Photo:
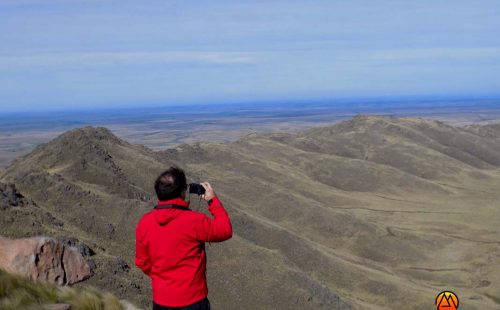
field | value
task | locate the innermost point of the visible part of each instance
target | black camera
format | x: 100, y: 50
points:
x: 195, y: 188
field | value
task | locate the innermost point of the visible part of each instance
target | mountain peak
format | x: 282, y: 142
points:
x: 81, y: 142
x: 369, y: 117
x: 89, y: 133
x: 372, y: 119
x: 75, y: 147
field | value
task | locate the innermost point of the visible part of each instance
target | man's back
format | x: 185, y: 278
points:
x: 170, y: 249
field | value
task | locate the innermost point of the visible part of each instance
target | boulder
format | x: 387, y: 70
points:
x: 43, y: 258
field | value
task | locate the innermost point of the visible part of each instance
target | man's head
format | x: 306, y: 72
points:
x: 171, y: 184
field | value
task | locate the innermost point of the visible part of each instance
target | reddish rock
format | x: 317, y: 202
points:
x: 43, y: 258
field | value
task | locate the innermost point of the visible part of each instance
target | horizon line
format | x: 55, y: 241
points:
x: 311, y: 100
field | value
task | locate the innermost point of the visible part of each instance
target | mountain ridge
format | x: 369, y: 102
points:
x: 323, y: 212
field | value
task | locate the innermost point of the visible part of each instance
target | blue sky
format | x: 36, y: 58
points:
x: 96, y: 53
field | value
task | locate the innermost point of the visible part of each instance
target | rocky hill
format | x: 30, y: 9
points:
x: 354, y: 215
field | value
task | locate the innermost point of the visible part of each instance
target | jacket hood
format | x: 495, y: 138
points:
x: 165, y: 216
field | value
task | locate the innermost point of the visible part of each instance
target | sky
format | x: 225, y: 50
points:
x: 67, y: 54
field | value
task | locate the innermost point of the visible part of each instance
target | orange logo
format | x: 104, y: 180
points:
x: 447, y: 300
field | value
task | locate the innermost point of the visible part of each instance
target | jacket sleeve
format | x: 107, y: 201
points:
x: 217, y: 229
x: 141, y: 251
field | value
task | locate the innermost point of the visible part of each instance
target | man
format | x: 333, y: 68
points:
x: 170, y: 243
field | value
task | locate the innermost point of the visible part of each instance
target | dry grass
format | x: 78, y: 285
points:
x: 17, y: 293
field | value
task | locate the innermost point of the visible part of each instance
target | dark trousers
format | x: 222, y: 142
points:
x: 203, y: 304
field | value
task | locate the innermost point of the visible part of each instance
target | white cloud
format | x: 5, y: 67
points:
x: 125, y: 58
x: 449, y: 53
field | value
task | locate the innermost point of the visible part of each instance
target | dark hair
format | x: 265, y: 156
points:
x: 171, y: 183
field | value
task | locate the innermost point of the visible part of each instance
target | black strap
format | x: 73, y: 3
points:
x: 172, y: 207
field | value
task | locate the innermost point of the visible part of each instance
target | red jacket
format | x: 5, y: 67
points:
x: 170, y: 250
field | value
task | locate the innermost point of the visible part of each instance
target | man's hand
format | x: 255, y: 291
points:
x: 209, y: 191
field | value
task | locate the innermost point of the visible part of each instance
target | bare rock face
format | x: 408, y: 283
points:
x: 43, y: 258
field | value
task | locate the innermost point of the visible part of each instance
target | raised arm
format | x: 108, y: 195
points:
x: 218, y: 228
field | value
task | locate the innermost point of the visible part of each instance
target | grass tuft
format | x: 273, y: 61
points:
x: 17, y: 292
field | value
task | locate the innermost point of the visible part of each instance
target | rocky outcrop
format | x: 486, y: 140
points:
x: 43, y: 258
x: 10, y: 197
